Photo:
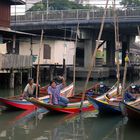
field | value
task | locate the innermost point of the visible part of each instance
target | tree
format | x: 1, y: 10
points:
x: 57, y: 5
x: 130, y: 3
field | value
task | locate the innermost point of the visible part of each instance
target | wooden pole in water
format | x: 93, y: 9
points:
x: 125, y: 73
x: 31, y: 49
x: 93, y: 60
x: 116, y: 28
x: 64, y: 56
x: 138, y: 30
x: 74, y: 58
x: 39, y: 52
x: 64, y: 69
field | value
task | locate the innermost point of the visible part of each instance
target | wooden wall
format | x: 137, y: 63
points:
x: 4, y: 14
x: 13, y: 61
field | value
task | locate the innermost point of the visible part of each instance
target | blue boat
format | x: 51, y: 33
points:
x: 105, y: 107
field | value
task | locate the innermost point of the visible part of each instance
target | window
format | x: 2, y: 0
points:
x: 47, y: 51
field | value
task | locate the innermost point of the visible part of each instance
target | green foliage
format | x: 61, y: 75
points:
x: 57, y: 5
x: 132, y: 3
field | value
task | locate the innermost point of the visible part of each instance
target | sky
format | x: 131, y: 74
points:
x: 21, y: 9
x: 101, y: 2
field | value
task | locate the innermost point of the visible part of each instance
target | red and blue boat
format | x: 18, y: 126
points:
x: 16, y: 103
x: 72, y: 107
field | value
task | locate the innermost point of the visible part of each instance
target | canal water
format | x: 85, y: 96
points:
x: 40, y: 125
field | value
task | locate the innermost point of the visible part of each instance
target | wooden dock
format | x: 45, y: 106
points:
x: 99, y: 72
x: 12, y: 67
x: 103, y: 72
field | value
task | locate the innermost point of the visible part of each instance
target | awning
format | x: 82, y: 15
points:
x: 9, y: 31
x: 16, y: 2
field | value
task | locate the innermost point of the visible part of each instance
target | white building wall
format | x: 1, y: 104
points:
x: 58, y: 51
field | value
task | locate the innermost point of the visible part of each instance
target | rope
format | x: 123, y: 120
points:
x: 93, y: 62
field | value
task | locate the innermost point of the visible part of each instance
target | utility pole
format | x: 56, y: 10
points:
x: 47, y: 7
x: 46, y: 3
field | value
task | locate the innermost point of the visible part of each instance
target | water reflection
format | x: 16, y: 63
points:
x: 129, y: 130
x: 40, y: 125
x: 28, y: 125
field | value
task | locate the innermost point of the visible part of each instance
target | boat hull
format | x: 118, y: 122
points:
x: 71, y: 107
x: 25, y: 105
x: 18, y: 104
x: 130, y: 111
x: 105, y: 107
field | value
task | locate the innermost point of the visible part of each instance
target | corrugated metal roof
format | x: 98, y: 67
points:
x: 8, y: 30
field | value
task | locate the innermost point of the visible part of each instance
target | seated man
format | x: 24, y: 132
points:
x: 30, y: 89
x: 129, y: 97
x: 103, y: 88
x: 99, y: 88
x: 54, y: 92
x: 134, y: 89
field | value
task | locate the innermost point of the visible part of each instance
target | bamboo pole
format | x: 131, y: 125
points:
x: 39, y: 52
x: 74, y: 58
x: 125, y: 73
x: 64, y: 56
x: 138, y: 30
x: 116, y: 28
x: 93, y: 60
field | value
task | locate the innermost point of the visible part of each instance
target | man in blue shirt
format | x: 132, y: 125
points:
x: 54, y: 92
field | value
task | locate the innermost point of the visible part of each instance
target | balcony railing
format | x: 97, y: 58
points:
x: 61, y: 15
x: 12, y: 61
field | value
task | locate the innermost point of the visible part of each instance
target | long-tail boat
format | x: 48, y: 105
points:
x: 106, y: 105
x: 72, y: 107
x: 17, y: 103
x: 110, y: 105
x: 131, y: 109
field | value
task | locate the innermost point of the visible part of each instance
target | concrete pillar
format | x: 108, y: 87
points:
x: 51, y: 73
x: 87, y: 52
x: 14, y: 43
x: 29, y: 73
x: 125, y: 47
x: 89, y: 46
x: 80, y: 54
x: 20, y: 78
x: 110, y: 53
x: 12, y: 79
